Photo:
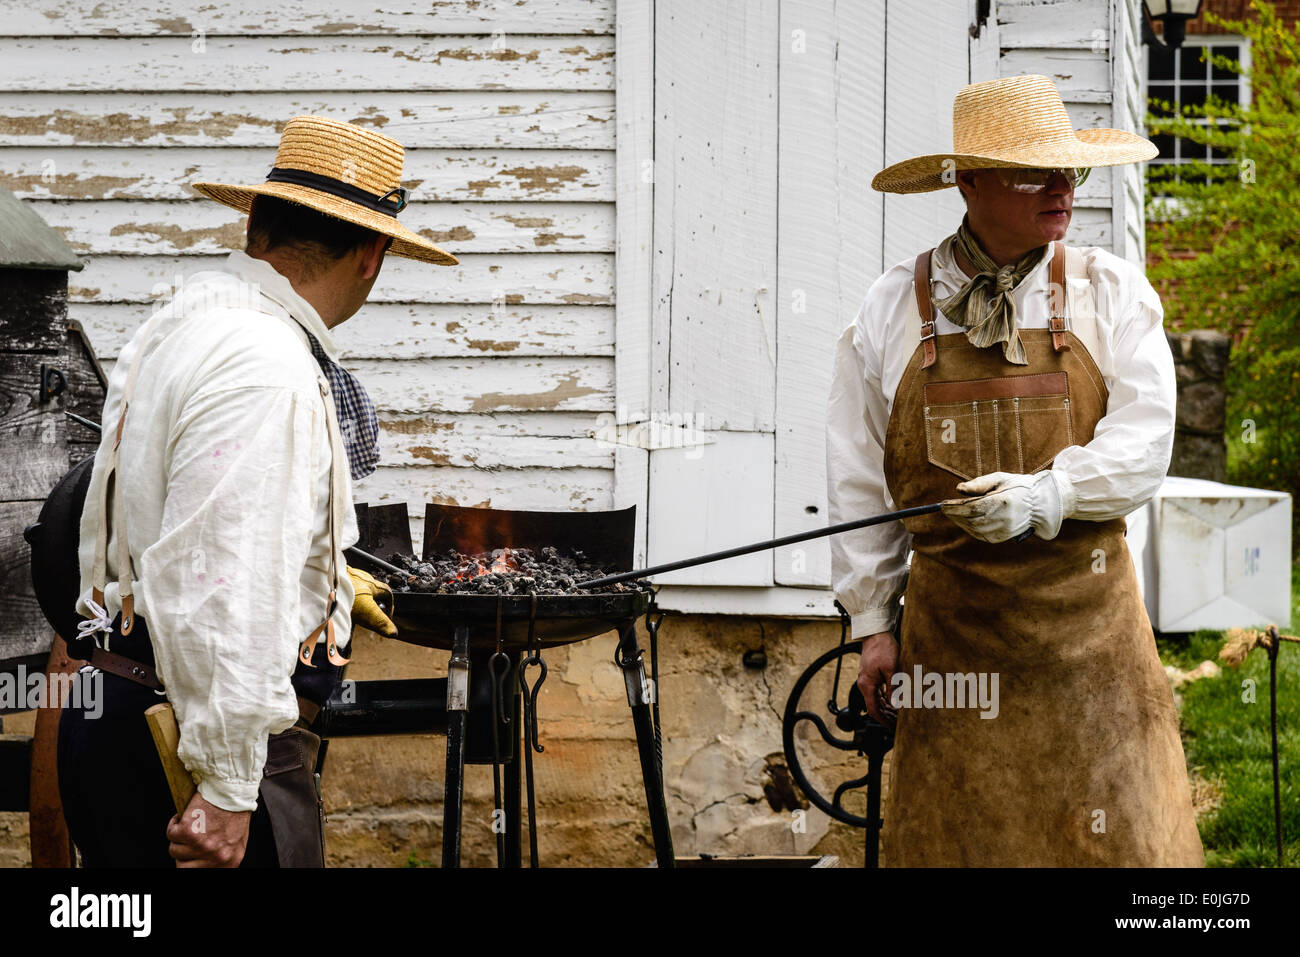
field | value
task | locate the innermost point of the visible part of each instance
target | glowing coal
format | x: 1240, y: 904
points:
x: 503, y: 571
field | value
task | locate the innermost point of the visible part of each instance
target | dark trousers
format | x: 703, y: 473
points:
x: 115, y: 796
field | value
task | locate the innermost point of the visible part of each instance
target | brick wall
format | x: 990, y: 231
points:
x: 1288, y: 10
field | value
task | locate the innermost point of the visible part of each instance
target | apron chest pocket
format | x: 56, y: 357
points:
x: 1007, y: 424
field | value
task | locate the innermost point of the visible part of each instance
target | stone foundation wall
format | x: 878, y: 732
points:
x: 1201, y: 364
x: 726, y: 783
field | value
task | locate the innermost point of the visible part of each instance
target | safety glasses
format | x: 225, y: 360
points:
x: 400, y: 195
x: 1035, y: 180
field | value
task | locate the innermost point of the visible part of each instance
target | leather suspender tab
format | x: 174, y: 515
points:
x: 921, y: 282
x: 1056, y: 297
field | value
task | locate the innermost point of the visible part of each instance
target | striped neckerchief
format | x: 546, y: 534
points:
x: 358, y: 423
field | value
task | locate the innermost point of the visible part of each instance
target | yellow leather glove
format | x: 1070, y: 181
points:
x: 365, y: 610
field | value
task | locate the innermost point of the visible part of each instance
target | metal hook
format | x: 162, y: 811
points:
x: 845, y: 623
x: 530, y: 698
x: 499, y: 665
x: 533, y: 659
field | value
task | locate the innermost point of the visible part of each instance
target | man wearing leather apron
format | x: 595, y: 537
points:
x: 211, y: 552
x: 1029, y: 386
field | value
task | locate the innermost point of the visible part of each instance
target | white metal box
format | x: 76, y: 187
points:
x: 1210, y: 555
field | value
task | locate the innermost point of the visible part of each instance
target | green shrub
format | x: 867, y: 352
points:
x: 1227, y: 256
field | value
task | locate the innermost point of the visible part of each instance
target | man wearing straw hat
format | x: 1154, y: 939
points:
x: 1029, y: 386
x: 232, y: 478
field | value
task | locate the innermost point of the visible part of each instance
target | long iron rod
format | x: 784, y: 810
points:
x: 366, y: 556
x: 761, y: 546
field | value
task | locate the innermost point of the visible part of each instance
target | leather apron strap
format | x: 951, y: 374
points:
x: 1060, y: 297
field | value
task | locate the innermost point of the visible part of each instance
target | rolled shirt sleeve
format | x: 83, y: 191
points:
x: 221, y: 585
x: 868, y: 565
x: 1123, y: 465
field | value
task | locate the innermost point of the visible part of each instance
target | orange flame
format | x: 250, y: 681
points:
x: 502, y: 563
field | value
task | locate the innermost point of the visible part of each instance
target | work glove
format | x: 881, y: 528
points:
x: 1006, y: 504
x: 365, y: 610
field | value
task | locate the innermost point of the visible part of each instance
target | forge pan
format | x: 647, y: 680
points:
x: 428, y: 619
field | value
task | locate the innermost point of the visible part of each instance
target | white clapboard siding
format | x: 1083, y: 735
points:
x: 635, y: 363
x: 832, y: 128
x: 1082, y: 76
x: 715, y: 177
x: 1128, y: 72
x: 124, y: 227
x: 533, y: 489
x: 709, y: 497
x: 492, y: 378
x: 465, y: 448
x: 714, y: 280
x: 486, y: 385
x: 509, y: 119
x: 926, y: 63
x: 1063, y: 25
x: 501, y: 383
x: 306, y: 63
x: 496, y: 440
x: 432, y: 175
x: 1091, y: 50
x: 289, y: 17
x: 554, y: 278
x: 411, y: 331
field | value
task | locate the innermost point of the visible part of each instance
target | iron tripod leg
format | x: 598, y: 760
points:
x: 457, y: 720
x: 639, y: 697
x: 872, y: 857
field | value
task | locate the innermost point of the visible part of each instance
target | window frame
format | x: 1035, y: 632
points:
x: 1167, y: 206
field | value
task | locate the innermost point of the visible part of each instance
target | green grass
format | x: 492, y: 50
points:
x: 1228, y: 744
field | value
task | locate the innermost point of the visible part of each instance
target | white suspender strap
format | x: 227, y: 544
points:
x: 308, y: 644
x: 99, y: 572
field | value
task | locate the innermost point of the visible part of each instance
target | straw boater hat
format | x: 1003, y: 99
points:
x: 341, y: 170
x: 1014, y: 121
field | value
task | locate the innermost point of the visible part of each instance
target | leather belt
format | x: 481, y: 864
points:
x: 127, y: 668
x: 143, y: 674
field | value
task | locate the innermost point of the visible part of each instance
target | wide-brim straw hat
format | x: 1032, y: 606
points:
x: 1015, y: 121
x: 345, y: 171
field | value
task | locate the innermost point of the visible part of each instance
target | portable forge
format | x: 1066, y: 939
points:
x: 486, y: 704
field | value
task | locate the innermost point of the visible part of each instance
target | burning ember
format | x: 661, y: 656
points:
x: 472, y: 566
x: 503, y: 571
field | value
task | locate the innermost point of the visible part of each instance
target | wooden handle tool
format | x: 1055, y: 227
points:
x: 166, y: 738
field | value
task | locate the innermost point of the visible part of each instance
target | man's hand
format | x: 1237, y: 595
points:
x: 208, y: 836
x: 365, y: 610
x: 1005, y: 504
x: 875, y: 669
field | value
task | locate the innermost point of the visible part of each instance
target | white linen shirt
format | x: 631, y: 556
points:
x: 1120, y: 469
x: 225, y: 464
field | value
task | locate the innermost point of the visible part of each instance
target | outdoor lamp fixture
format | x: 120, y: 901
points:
x: 1174, y: 14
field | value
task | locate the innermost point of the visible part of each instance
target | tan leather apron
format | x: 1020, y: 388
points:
x: 1083, y: 764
